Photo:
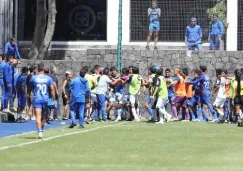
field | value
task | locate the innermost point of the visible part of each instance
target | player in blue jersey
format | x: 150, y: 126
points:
x: 2, y: 65
x: 79, y: 93
x: 8, y: 82
x: 21, y: 93
x: 42, y: 86
x: 154, y: 14
x: 205, y: 82
x: 169, y: 79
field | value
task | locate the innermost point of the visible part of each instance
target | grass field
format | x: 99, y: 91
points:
x: 127, y: 146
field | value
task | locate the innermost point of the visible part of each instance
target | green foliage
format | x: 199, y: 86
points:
x: 220, y: 10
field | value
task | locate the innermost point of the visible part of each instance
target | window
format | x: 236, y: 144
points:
x: 75, y: 20
x: 175, y: 16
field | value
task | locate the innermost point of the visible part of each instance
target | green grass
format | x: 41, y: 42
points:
x: 130, y: 146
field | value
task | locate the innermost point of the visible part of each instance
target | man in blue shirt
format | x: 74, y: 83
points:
x: 21, y: 93
x: 80, y: 91
x: 8, y: 82
x: 2, y: 65
x: 154, y: 14
x: 216, y: 31
x: 193, y: 35
x: 42, y: 86
x: 204, y: 81
x: 11, y: 48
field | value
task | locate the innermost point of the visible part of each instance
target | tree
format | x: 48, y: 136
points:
x: 44, y: 28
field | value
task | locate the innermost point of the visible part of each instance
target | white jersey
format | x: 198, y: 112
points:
x: 221, y: 92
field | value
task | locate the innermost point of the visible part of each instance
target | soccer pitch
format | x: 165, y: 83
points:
x: 127, y: 146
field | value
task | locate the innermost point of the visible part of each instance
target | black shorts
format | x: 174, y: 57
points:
x: 29, y: 101
x: 64, y: 100
x: 238, y: 101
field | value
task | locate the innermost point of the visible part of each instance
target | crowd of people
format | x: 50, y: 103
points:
x: 97, y: 93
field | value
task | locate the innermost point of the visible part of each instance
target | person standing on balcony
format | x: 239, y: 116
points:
x: 193, y: 35
x: 154, y: 14
x: 216, y: 31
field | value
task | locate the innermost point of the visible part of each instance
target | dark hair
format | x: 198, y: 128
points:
x: 159, y: 71
x: 46, y: 70
x: 198, y: 72
x: 125, y: 71
x: 41, y: 67
x: 203, y: 68
x: 113, y: 69
x: 135, y: 70
x: 86, y: 68
x: 12, y: 39
x: 167, y: 70
x: 215, y: 15
x: 8, y: 57
x: 96, y: 66
x: 185, y: 71
x: 92, y: 71
x: 106, y: 71
x: 24, y: 70
x: 32, y: 68
x: 225, y: 71
x: 218, y: 71
x: 82, y: 72
x: 238, y: 79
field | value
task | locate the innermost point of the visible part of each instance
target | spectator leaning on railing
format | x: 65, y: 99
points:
x: 11, y: 48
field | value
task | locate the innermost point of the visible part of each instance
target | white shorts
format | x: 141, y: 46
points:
x: 93, y: 98
x: 133, y: 99
x: 219, y: 102
x: 161, y: 103
x: 125, y: 98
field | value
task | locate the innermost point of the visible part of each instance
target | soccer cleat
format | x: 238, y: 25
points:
x: 40, y: 135
x: 160, y: 122
x: 169, y: 116
x: 87, y: 122
x: 72, y: 125
x: 81, y: 127
x: 175, y: 119
x: 118, y: 119
x: 185, y: 120
x: 214, y: 120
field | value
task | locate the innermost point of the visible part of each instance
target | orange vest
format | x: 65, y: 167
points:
x: 180, y: 88
x: 189, y: 93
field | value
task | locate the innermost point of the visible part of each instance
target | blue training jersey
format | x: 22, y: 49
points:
x: 2, y: 64
x: 79, y: 88
x: 204, y: 81
x: 21, y: 84
x: 8, y: 74
x: 41, y: 84
x: 154, y: 15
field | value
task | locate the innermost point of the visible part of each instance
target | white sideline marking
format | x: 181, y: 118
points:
x: 58, y: 136
x: 16, y: 135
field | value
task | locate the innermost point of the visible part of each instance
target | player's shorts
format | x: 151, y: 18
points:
x: 238, y: 101
x: 21, y: 101
x: 180, y: 100
x: 205, y: 98
x: 171, y: 98
x: 40, y: 105
x: 125, y: 98
x: 118, y: 98
x: 154, y: 26
x: 148, y: 100
x: 191, y: 101
x: 133, y: 99
x: 227, y: 102
x: 161, y: 102
x: 93, y: 98
x: 219, y: 102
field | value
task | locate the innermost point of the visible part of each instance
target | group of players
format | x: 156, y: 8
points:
x: 95, y: 94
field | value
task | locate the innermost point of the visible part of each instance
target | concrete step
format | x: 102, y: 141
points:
x: 3, y: 117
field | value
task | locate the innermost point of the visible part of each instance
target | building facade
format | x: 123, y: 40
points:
x: 95, y: 22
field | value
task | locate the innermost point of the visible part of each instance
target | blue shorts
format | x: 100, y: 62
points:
x: 171, y: 98
x: 154, y: 26
x: 21, y: 101
x: 40, y: 105
x: 206, y: 98
x: 148, y: 100
x: 227, y: 102
x: 191, y: 101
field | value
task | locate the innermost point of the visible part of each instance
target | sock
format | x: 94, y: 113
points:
x: 119, y: 112
x: 155, y: 114
x: 134, y: 113
x: 122, y: 111
x: 212, y: 111
x: 39, y: 130
x: 161, y: 115
x: 199, y: 113
x: 226, y: 112
x: 72, y: 116
x: 220, y: 112
x: 137, y: 110
x: 150, y: 111
x: 19, y: 114
x: 204, y: 116
x: 174, y: 110
x: 187, y: 116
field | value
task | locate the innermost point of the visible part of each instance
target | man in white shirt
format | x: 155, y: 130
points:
x: 101, y: 92
x: 221, y: 96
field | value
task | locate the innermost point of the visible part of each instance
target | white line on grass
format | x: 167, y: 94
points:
x: 16, y: 135
x: 58, y: 136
